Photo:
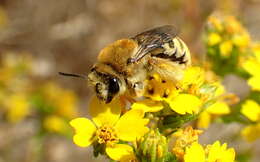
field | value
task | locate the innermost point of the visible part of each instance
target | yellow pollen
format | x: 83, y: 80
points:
x: 106, y: 135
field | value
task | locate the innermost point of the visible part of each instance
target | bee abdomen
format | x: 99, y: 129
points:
x: 176, y: 51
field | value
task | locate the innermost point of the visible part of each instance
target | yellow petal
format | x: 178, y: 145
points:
x: 185, y: 103
x: 119, y: 152
x: 55, y: 123
x: 220, y: 89
x: 193, y: 76
x: 131, y: 125
x: 18, y: 107
x: 218, y: 108
x: 214, y: 152
x: 148, y: 105
x: 256, y: 50
x: 254, y: 82
x: 251, y: 110
x: 214, y: 39
x: 104, y: 113
x: 85, y: 131
x: 220, y: 153
x: 241, y: 40
x: 251, y: 132
x: 252, y: 66
x: 204, y: 120
x: 226, y: 48
x: 194, y: 153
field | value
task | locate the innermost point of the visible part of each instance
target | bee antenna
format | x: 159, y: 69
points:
x: 73, y: 75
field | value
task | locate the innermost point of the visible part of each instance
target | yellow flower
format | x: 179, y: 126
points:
x: 251, y: 110
x: 66, y: 104
x: 17, y: 106
x: 122, y: 153
x: 256, y: 50
x: 220, y: 107
x: 251, y: 132
x: 216, y: 23
x: 226, y: 48
x: 184, y: 138
x: 194, y: 153
x: 213, y: 39
x: 216, y: 109
x: 109, y: 127
x: 193, y: 76
x: 55, y: 124
x: 167, y: 91
x: 252, y: 66
x: 158, y: 89
x: 232, y: 25
x: 64, y: 101
x: 185, y: 103
x: 148, y: 105
x: 218, y: 152
x: 241, y: 40
x: 212, y: 153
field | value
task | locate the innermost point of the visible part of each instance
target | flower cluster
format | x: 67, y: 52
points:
x: 187, y: 148
x: 142, y: 131
x: 55, y: 106
x: 227, y: 41
x: 14, y: 86
x: 252, y: 66
x: 52, y: 105
x: 250, y: 108
x: 109, y: 129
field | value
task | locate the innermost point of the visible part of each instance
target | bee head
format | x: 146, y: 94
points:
x: 106, y: 86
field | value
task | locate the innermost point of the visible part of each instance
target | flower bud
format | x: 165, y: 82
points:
x: 153, y: 147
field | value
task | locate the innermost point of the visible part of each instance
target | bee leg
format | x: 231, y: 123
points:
x: 125, y: 100
x: 166, y: 69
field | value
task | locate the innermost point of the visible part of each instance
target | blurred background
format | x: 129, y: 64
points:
x: 40, y: 38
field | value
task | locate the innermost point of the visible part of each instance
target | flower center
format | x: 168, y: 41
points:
x: 106, y: 135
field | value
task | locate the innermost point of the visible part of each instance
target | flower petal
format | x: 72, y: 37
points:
x: 185, y: 103
x: 252, y: 67
x: 204, y: 120
x: 251, y: 110
x: 254, y: 82
x: 220, y: 153
x: 131, y: 125
x: 85, y: 130
x: 148, y: 105
x: 104, y: 113
x: 193, y: 76
x: 119, y: 152
x: 194, y: 153
x: 218, y: 108
x: 251, y: 132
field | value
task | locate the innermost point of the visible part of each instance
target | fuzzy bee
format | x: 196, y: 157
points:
x: 124, y: 65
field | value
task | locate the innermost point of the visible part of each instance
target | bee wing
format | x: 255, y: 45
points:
x: 153, y: 39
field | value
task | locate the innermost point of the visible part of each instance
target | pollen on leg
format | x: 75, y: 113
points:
x: 107, y: 135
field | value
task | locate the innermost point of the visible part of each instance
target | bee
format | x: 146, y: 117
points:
x: 123, y: 66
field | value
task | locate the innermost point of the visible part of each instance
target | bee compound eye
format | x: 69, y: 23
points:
x: 113, y: 86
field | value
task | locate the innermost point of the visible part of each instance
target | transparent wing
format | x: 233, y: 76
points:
x: 153, y: 39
